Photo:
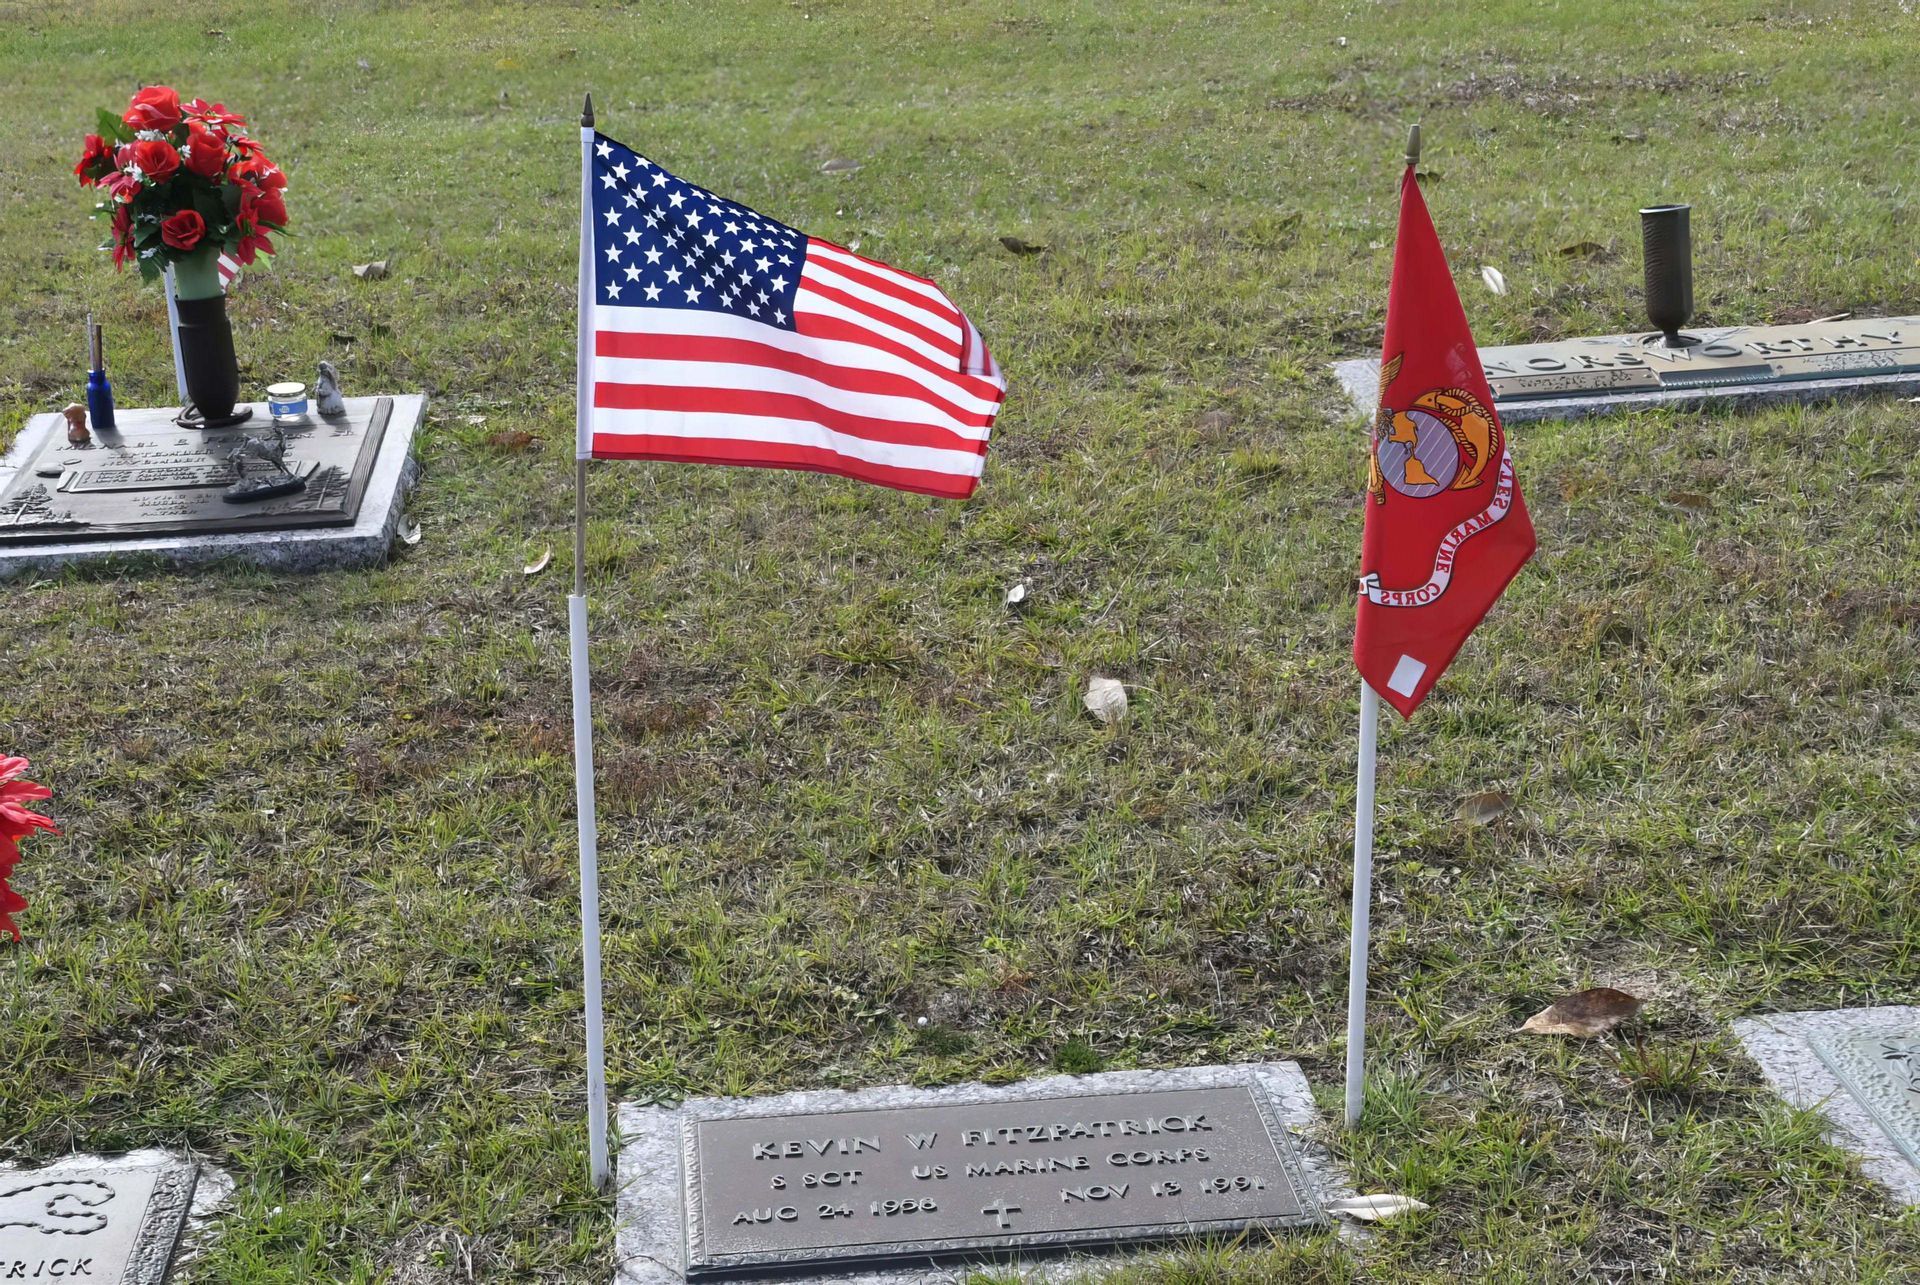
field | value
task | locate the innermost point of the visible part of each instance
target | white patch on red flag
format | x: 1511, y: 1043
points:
x: 1406, y: 676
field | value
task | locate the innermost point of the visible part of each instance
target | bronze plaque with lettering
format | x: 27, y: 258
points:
x: 152, y: 477
x: 911, y: 1184
x: 1744, y: 355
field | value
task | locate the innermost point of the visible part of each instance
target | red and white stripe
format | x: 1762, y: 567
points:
x: 882, y: 379
x: 228, y: 268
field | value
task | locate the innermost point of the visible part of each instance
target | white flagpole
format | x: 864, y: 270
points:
x: 1362, y: 905
x: 597, y: 1167
x: 173, y: 333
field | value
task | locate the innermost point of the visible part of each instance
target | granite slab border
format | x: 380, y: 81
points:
x: 650, y: 1240
x: 1360, y: 377
x: 1784, y: 1046
x: 367, y: 542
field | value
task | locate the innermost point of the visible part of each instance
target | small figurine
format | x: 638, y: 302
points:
x: 76, y: 424
x: 326, y: 392
x: 283, y: 482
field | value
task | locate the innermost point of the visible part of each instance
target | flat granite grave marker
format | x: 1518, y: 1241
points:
x: 1859, y: 1067
x: 115, y: 1224
x: 1606, y: 374
x: 151, y: 486
x: 1881, y: 1069
x: 885, y: 1184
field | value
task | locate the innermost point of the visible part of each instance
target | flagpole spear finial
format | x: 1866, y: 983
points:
x: 586, y: 114
x: 1413, y: 145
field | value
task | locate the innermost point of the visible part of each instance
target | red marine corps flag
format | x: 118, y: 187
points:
x: 1446, y: 530
x: 1446, y: 527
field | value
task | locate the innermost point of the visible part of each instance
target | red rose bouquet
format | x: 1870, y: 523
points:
x: 183, y: 183
x: 16, y: 823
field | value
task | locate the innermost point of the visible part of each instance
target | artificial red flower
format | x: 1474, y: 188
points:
x: 16, y: 823
x: 216, y: 115
x: 267, y: 207
x: 14, y: 792
x: 95, y: 160
x: 257, y: 173
x: 121, y: 186
x: 11, y: 902
x: 156, y: 107
x: 205, y: 153
x: 156, y: 158
x: 246, y: 148
x: 249, y: 244
x: 122, y: 235
x: 183, y: 231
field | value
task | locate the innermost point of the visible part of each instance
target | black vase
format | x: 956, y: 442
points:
x: 206, y: 354
x: 1666, y: 240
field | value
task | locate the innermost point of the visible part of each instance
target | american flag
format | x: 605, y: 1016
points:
x: 228, y: 268
x: 716, y: 335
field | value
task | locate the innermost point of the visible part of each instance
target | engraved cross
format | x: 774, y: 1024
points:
x: 1000, y: 1209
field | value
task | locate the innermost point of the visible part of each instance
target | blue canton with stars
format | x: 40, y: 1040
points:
x: 662, y: 242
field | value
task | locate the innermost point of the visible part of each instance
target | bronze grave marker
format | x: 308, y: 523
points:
x: 92, y: 1220
x: 154, y: 478
x: 1738, y: 365
x: 864, y: 1188
x: 1725, y: 355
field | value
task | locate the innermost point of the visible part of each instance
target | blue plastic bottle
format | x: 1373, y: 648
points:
x: 99, y: 391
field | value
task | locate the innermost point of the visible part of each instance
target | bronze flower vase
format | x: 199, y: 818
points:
x: 206, y: 345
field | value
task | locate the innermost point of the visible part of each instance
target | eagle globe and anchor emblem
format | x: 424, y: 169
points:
x: 1443, y: 441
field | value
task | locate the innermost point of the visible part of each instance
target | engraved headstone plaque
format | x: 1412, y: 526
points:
x: 116, y: 1225
x: 154, y: 478
x: 1819, y: 360
x: 1882, y: 1072
x: 889, y: 1185
x: 1857, y: 1067
x: 1724, y: 356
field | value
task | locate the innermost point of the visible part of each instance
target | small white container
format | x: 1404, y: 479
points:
x: 287, y: 402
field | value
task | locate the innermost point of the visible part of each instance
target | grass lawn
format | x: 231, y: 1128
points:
x: 313, y: 915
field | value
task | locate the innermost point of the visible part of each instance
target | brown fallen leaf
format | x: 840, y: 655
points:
x: 1017, y: 246
x: 1689, y: 500
x: 1584, y: 1014
x: 512, y: 443
x: 1485, y: 807
x: 374, y: 271
x: 1582, y: 249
